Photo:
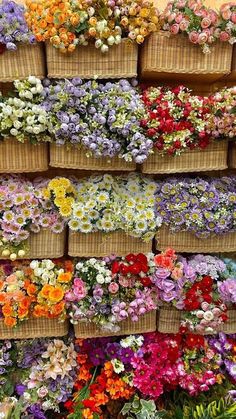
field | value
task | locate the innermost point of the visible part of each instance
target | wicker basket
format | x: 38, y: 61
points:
x: 76, y: 159
x: 145, y: 324
x: 169, y: 320
x: 232, y: 155
x: 45, y: 244
x: 34, y: 328
x: 230, y: 325
x: 185, y: 241
x: 22, y: 157
x: 213, y: 157
x: 174, y: 57
x: 86, y: 62
x: 101, y: 244
x: 232, y: 76
x: 27, y: 60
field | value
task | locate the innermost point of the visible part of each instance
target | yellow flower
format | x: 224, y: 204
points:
x: 60, y: 192
x: 63, y: 182
x: 56, y: 294
x: 144, y: 12
x: 65, y: 210
x: 46, y: 194
x: 59, y: 201
x: 54, y: 183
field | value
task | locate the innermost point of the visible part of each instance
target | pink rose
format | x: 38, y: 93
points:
x: 226, y: 14
x: 224, y: 36
x: 213, y: 16
x: 79, y: 289
x: 205, y: 305
x: 174, y: 29
x: 205, y: 23
x: 184, y: 25
x: 178, y: 18
x: 171, y: 17
x: 113, y: 287
x: 233, y: 17
x: 193, y: 37
x: 202, y: 38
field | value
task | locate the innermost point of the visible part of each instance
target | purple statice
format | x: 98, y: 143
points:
x: 207, y: 265
x: 227, y: 290
x: 202, y: 206
x: 103, y: 118
x: 13, y: 26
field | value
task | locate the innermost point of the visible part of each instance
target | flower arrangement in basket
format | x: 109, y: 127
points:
x: 36, y: 289
x: 46, y: 371
x: 201, y: 24
x: 14, y: 28
x: 221, y: 120
x: 107, y: 292
x: 106, y: 204
x: 202, y: 206
x: 191, y: 285
x: 68, y: 24
x: 176, y: 120
x: 23, y: 210
x: 22, y: 116
x: 103, y: 119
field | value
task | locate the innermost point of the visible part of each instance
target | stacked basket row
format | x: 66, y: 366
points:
x: 158, y: 59
x: 22, y: 158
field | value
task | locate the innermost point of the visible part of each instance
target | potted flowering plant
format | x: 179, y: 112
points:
x: 113, y: 210
x: 20, y: 55
x: 104, y: 27
x: 200, y: 217
x: 177, y: 125
x: 23, y: 124
x: 34, y: 291
x: 200, y: 24
x: 24, y: 212
x: 113, y: 296
x: 98, y: 124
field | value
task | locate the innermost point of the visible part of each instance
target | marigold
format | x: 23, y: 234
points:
x: 10, y: 321
x: 56, y: 294
x: 64, y: 277
x: 7, y: 310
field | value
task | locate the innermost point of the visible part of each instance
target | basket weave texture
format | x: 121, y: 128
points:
x: 99, y: 244
x: 27, y: 60
x: 185, y: 241
x: 146, y: 323
x: 213, y: 157
x: 34, y: 328
x: 163, y: 56
x: 169, y: 320
x: 22, y: 157
x: 232, y: 156
x: 86, y: 62
x: 230, y: 325
x: 76, y: 159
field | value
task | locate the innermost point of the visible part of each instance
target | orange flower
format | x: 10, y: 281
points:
x: 101, y: 399
x: 25, y: 303
x: 1, y: 284
x: 10, y: 321
x: 57, y: 309
x: 87, y: 414
x: 31, y: 289
x: 108, y: 369
x: 3, y: 297
x: 40, y: 311
x: 84, y: 373
x: 82, y: 358
x: 7, y: 310
x: 22, y: 312
x: 45, y: 291
x: 69, y: 266
x: 64, y: 277
x: 56, y: 294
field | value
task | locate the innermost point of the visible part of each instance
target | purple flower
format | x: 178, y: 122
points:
x: 227, y: 290
x: 20, y: 389
x: 97, y: 357
x: 126, y: 355
x: 112, y: 350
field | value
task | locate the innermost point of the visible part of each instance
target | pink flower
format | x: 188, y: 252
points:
x: 224, y: 36
x: 174, y: 29
x: 205, y: 23
x: 193, y: 37
x: 202, y: 38
x: 79, y: 289
x: 184, y: 25
x: 226, y: 14
x: 233, y: 17
x: 178, y: 18
x: 113, y: 287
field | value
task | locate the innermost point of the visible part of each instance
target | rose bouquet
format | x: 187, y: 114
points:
x: 109, y: 291
x: 22, y: 116
x: 176, y: 119
x: 192, y: 18
x: 14, y: 28
x: 47, y: 371
x: 226, y: 27
x: 221, y: 119
x: 202, y: 206
x: 69, y: 24
x: 104, y: 119
x: 23, y: 209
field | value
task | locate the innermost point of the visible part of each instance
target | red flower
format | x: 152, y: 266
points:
x: 130, y: 258
x: 194, y: 341
x: 207, y: 282
x: 115, y: 267
x: 146, y: 281
x: 90, y: 404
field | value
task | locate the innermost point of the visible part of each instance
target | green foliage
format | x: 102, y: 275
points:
x: 222, y: 409
x: 142, y: 409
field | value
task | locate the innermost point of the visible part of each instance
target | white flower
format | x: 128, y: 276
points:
x: 34, y: 264
x: 117, y: 365
x: 208, y: 315
x: 100, y: 279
